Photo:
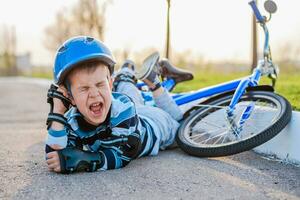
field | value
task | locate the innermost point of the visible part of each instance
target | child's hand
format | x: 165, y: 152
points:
x: 58, y: 104
x: 53, y: 159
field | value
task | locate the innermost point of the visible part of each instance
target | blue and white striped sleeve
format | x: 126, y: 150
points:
x: 55, y: 137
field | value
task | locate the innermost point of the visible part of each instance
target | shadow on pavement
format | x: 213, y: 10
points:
x: 170, y: 175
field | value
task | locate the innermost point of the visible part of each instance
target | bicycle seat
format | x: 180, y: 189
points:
x: 170, y: 71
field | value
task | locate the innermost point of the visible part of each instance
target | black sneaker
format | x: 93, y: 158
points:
x: 129, y: 64
x: 150, y: 71
x: 170, y: 71
x: 126, y: 73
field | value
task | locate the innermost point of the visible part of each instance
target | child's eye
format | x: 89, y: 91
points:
x: 99, y: 85
x: 84, y: 89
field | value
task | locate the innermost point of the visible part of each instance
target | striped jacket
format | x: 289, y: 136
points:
x: 122, y: 137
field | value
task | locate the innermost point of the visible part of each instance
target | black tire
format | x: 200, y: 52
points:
x: 267, y: 102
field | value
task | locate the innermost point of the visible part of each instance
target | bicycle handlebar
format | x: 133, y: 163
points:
x: 257, y: 14
x: 262, y: 21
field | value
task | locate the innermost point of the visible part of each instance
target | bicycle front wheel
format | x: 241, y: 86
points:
x: 207, y: 132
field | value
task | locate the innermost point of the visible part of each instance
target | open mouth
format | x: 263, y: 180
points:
x: 96, y: 108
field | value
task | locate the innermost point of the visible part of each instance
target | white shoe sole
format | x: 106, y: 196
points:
x: 147, y: 66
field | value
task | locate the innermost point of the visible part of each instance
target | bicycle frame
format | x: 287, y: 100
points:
x: 265, y: 67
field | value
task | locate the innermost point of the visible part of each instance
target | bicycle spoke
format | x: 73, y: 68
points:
x: 259, y: 123
x: 198, y: 135
x: 204, y: 133
x: 224, y: 139
x: 216, y: 142
x: 211, y: 123
x: 223, y: 133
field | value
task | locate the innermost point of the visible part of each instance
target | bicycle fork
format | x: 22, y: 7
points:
x: 237, y: 127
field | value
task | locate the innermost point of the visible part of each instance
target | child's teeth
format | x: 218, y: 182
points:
x: 95, y: 104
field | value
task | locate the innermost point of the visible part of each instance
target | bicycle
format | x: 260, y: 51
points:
x: 238, y: 115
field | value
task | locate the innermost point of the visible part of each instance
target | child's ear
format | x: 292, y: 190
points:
x: 70, y: 97
x: 67, y: 94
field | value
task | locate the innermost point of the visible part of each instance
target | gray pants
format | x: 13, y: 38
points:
x: 163, y: 118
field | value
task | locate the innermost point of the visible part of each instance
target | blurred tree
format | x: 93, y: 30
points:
x: 287, y: 56
x: 58, y: 32
x: 8, y: 50
x: 87, y: 17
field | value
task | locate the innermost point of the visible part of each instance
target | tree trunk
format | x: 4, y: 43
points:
x: 254, y: 43
x: 168, y: 31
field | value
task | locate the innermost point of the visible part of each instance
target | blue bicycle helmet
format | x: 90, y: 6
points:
x: 79, y: 49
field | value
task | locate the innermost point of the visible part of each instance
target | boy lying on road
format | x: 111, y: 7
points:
x: 104, y: 129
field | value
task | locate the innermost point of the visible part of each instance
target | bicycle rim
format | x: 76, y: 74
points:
x: 207, y: 132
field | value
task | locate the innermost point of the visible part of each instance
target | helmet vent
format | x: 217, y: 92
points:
x: 61, y: 49
x: 89, y: 39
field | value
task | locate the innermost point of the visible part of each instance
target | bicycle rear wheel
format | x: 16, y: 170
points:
x: 207, y: 132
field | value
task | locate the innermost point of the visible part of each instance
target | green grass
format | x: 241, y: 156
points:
x: 288, y: 85
x: 47, y: 75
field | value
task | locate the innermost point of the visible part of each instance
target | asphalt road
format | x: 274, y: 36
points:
x: 170, y: 175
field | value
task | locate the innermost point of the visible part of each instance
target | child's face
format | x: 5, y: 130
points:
x: 91, y: 93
